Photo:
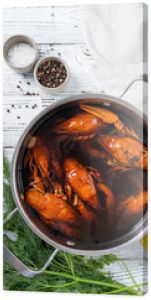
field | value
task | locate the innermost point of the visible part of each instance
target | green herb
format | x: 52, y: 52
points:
x: 67, y: 273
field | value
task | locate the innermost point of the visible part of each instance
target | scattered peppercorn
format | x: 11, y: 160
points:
x: 34, y: 106
x: 31, y: 94
x: 28, y: 82
x: 19, y: 87
x: 51, y: 73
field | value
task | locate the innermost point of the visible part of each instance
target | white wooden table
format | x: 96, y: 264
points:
x: 57, y: 31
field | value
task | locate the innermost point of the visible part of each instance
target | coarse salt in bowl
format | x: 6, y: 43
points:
x: 20, y: 53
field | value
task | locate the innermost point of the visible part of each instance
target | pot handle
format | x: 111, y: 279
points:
x: 141, y: 78
x: 18, y: 264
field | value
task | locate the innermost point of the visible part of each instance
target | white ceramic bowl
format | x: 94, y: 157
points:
x: 47, y: 89
x: 20, y: 39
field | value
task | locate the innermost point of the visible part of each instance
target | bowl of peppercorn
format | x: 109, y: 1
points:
x: 51, y: 74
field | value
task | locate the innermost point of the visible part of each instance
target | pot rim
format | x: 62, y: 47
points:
x: 43, y: 236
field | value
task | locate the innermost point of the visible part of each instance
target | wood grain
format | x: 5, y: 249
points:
x: 57, y: 30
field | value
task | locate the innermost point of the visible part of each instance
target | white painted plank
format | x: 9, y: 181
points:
x: 19, y: 112
x: 42, y: 14
x: 135, y: 258
x: 46, y: 24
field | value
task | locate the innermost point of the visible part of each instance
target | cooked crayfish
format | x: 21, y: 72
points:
x: 38, y: 155
x: 83, y: 125
x: 44, y: 165
x: 124, y: 151
x: 41, y: 157
x: 55, y: 165
x: 81, y: 181
x: 56, y: 212
x: 110, y: 201
x: 134, y: 204
x: 108, y: 117
x: 87, y: 214
x: 36, y: 182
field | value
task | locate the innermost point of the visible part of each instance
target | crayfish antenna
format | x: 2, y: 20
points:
x: 48, y: 183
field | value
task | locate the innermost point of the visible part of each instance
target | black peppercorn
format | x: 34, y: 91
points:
x: 51, y: 73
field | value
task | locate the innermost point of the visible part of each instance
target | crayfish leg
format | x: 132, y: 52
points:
x: 110, y: 200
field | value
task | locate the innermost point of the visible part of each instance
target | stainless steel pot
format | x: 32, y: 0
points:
x: 35, y: 224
